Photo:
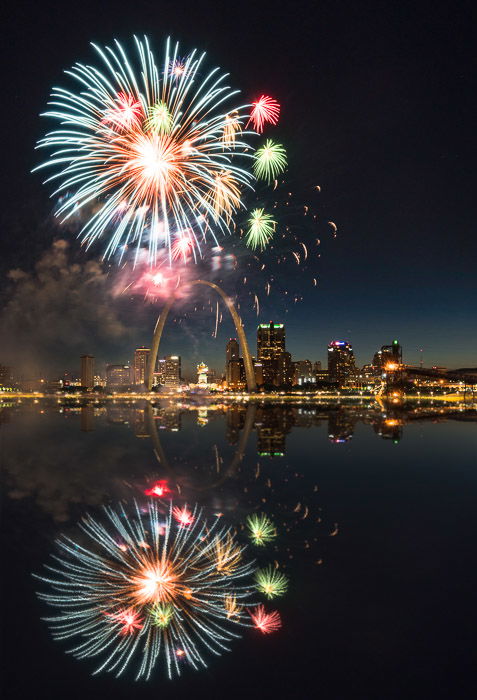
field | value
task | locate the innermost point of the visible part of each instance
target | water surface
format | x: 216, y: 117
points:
x: 376, y: 516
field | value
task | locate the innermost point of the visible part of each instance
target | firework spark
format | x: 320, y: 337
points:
x: 261, y: 229
x: 266, y: 622
x: 158, y: 489
x: 264, y: 110
x: 144, y: 604
x: 261, y: 530
x: 140, y: 149
x: 270, y: 582
x: 232, y: 127
x: 270, y: 161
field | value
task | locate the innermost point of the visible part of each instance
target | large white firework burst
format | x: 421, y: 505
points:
x: 146, y: 150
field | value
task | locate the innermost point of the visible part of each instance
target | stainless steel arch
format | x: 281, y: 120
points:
x: 156, y: 339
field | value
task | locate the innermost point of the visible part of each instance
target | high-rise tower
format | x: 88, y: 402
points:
x: 141, y: 358
x: 270, y: 348
x: 340, y: 361
x: 87, y: 371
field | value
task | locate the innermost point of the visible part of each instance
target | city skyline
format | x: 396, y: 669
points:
x: 395, y: 179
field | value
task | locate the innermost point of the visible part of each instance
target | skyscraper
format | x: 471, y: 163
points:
x: 270, y: 346
x: 118, y: 375
x: 390, y: 355
x: 232, y: 366
x: 87, y: 371
x: 173, y: 371
x: 284, y: 369
x: 303, y: 372
x: 340, y: 361
x: 141, y: 358
x: 160, y: 373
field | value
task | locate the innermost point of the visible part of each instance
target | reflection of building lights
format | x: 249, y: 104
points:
x: 391, y: 422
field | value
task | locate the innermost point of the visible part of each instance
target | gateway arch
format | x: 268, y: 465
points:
x: 156, y: 339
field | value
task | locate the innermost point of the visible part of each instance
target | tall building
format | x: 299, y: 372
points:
x: 141, y: 359
x: 390, y: 356
x: 87, y: 371
x: 340, y: 361
x: 232, y: 357
x: 118, y: 375
x: 304, y: 373
x: 234, y: 374
x: 172, y: 371
x: 270, y: 346
x: 159, y: 377
x: 270, y: 340
x: 284, y: 369
x: 258, y: 370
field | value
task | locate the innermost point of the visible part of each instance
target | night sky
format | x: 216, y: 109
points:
x: 377, y: 107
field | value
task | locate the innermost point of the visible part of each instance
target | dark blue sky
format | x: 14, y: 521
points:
x: 378, y: 108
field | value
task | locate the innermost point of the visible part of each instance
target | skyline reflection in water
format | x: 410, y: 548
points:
x: 372, y: 507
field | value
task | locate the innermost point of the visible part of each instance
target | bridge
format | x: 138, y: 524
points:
x: 467, y: 376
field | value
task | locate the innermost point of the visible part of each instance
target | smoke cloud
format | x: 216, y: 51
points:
x: 59, y: 311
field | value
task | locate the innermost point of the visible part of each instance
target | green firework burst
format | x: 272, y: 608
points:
x: 270, y: 161
x: 261, y: 229
x: 161, y: 614
x: 260, y: 529
x: 270, y: 582
x: 159, y: 119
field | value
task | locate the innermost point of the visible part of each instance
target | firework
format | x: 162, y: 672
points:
x: 143, y: 153
x: 231, y: 606
x: 159, y: 119
x: 261, y: 530
x: 232, y: 127
x: 261, y: 229
x: 227, y: 555
x: 266, y: 622
x: 270, y: 582
x: 266, y: 109
x: 158, y: 489
x: 184, y: 516
x: 183, y: 246
x: 270, y: 161
x: 144, y: 588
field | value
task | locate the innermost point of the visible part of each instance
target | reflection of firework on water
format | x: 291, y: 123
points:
x: 261, y: 530
x: 147, y: 588
x: 266, y: 622
x: 261, y: 228
x: 146, y: 146
x: 270, y: 160
x: 270, y: 582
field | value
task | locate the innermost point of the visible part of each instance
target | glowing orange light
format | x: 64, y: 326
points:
x: 156, y: 582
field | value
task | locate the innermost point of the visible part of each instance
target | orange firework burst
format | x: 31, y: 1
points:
x: 156, y: 581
